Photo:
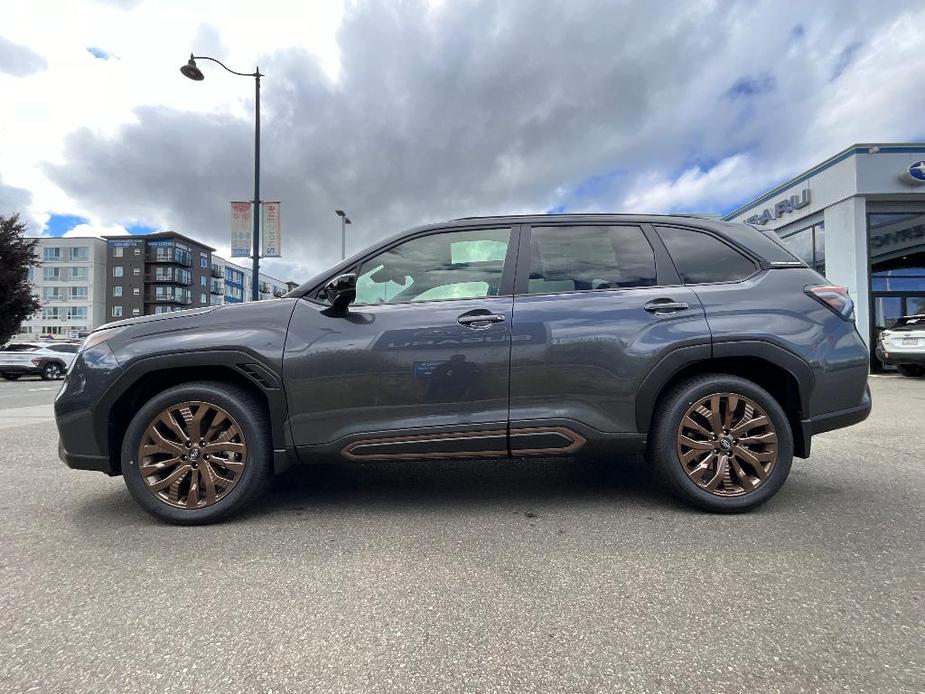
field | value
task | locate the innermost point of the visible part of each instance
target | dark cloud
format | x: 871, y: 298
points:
x: 19, y: 61
x: 479, y: 107
x: 16, y: 201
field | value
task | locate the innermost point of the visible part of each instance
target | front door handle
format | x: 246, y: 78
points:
x: 665, y: 306
x: 480, y: 319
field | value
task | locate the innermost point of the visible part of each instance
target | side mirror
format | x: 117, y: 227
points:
x: 341, y: 291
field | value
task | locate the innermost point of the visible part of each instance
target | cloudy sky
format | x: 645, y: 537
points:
x: 405, y: 112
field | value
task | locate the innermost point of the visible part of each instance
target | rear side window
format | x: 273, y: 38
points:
x: 701, y: 258
x: 70, y: 349
x: 577, y: 258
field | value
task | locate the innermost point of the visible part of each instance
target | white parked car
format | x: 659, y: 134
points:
x: 903, y: 345
x: 50, y: 360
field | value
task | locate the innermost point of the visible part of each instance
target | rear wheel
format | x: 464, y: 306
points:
x: 912, y: 370
x: 197, y: 453
x: 721, y: 443
x: 10, y: 377
x: 52, y: 371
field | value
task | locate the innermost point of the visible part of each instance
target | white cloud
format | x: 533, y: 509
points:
x: 97, y: 230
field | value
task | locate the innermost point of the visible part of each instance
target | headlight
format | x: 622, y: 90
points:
x: 885, y: 333
x: 98, y: 337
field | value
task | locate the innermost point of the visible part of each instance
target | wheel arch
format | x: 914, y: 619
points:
x: 784, y: 375
x: 148, y: 377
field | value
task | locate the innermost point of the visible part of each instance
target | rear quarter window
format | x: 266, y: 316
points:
x: 703, y: 259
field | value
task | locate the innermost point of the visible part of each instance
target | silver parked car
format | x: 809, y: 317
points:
x: 903, y: 345
x: 49, y: 360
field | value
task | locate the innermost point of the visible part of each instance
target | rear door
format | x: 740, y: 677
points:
x: 596, y: 308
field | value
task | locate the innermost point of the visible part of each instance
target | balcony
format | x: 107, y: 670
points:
x: 174, y: 256
x: 279, y: 293
x: 171, y: 298
x: 217, y: 271
x: 176, y: 276
x: 217, y: 289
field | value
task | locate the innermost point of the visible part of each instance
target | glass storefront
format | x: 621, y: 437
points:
x: 808, y: 245
x: 897, y: 269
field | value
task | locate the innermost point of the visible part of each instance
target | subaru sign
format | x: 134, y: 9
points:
x: 915, y: 174
x: 780, y: 208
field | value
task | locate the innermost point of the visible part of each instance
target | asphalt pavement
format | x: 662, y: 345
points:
x: 428, y: 577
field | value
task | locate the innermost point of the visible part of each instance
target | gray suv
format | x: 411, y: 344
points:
x: 704, y: 345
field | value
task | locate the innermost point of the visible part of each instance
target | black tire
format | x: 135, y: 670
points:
x: 911, y: 370
x: 251, y: 416
x: 52, y: 371
x: 10, y: 377
x: 664, y: 433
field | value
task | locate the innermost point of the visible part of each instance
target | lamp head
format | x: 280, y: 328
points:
x: 190, y: 70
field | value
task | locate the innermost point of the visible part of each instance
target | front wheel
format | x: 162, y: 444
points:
x: 911, y: 370
x: 721, y: 443
x: 52, y: 371
x: 197, y: 453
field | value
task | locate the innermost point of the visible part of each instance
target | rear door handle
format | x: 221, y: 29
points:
x: 665, y: 306
x: 480, y: 319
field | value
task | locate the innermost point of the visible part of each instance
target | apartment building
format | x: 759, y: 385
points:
x: 156, y: 273
x: 231, y: 283
x: 70, y: 283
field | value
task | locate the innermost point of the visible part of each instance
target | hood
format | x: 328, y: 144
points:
x: 159, y: 316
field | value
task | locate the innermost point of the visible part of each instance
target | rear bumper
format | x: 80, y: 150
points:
x: 835, y: 420
x: 893, y: 357
x: 100, y: 463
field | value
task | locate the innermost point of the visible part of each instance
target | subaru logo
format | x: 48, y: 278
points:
x: 915, y: 174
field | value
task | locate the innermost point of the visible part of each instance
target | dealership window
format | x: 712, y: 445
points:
x: 808, y: 245
x: 581, y: 258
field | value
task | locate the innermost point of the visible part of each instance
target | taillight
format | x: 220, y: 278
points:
x: 836, y: 298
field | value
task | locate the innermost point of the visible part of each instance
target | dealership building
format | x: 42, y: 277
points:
x: 859, y: 218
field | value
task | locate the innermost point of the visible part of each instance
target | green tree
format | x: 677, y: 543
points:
x: 17, y: 255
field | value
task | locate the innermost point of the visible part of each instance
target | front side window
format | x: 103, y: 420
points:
x: 449, y: 265
x: 581, y: 258
x: 702, y: 258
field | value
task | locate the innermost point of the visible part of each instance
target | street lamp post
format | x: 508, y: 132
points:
x: 344, y: 221
x: 192, y: 71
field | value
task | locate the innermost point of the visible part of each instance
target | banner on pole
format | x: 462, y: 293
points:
x: 241, y: 229
x: 272, y: 234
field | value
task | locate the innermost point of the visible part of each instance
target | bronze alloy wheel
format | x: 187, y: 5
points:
x: 727, y: 444
x: 192, y: 454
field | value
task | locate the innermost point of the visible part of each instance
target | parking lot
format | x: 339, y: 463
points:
x: 424, y: 577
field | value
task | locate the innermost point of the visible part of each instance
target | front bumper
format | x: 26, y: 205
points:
x: 835, y: 420
x: 20, y: 369
x: 100, y: 463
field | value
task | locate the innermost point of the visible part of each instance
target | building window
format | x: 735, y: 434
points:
x: 203, y: 261
x: 50, y: 274
x: 117, y: 271
x: 808, y: 245
x: 77, y: 313
x: 51, y: 254
x: 79, y: 254
x: 78, y: 274
x: 136, y: 271
x: 137, y: 251
x: 203, y: 281
x: 136, y: 311
x: 136, y: 291
x: 117, y: 290
x: 204, y: 299
x: 116, y: 311
x: 79, y: 293
x: 117, y: 252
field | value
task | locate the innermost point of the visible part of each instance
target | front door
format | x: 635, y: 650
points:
x: 418, y: 367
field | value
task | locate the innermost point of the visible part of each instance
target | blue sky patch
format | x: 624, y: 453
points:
x: 140, y: 229
x: 97, y: 52
x: 59, y: 223
x: 752, y: 86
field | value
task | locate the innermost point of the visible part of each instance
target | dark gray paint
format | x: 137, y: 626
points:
x: 592, y: 360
